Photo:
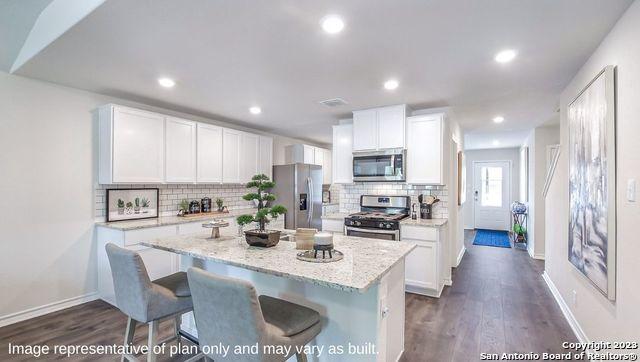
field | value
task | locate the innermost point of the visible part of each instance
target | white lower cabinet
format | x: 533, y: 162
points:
x: 334, y: 226
x: 424, y: 267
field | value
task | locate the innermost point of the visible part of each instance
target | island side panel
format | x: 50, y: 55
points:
x: 348, y: 317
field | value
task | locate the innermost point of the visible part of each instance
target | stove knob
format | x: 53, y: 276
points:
x: 356, y: 223
x: 388, y: 226
x: 381, y: 225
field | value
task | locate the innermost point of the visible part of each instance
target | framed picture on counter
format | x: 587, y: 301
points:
x: 132, y: 204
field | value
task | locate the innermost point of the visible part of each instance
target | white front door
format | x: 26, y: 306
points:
x: 491, y: 193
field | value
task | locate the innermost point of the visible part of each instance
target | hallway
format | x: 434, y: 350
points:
x: 498, y: 303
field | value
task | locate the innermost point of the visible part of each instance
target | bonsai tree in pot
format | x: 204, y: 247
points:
x: 261, y: 236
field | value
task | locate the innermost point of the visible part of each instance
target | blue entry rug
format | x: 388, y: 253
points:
x: 495, y: 238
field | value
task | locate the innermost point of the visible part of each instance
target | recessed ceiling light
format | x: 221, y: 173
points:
x: 255, y: 110
x: 505, y: 56
x: 332, y: 24
x: 496, y: 143
x: 498, y: 119
x: 391, y: 84
x: 166, y: 82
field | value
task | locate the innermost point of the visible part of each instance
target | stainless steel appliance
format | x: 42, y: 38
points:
x: 387, y: 165
x: 379, y: 217
x: 299, y: 189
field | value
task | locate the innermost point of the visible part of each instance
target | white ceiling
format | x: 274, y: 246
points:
x: 229, y: 55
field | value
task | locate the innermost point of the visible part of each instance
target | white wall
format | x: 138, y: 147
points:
x: 47, y: 175
x: 600, y: 319
x: 498, y: 154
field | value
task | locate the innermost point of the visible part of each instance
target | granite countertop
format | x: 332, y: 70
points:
x: 336, y: 215
x: 365, y: 260
x: 406, y: 221
x: 424, y: 222
x: 170, y: 220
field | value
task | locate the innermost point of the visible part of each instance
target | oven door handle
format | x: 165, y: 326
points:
x: 372, y: 231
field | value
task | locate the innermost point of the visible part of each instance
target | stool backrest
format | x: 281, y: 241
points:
x: 130, y: 281
x: 227, y: 312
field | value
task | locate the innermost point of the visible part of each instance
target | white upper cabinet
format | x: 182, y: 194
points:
x: 131, y: 145
x: 424, y: 149
x: 309, y: 154
x: 249, y: 148
x: 230, y: 156
x: 342, y: 165
x: 137, y: 146
x: 391, y: 127
x: 266, y: 156
x: 180, y: 150
x: 209, y: 153
x: 327, y: 168
x: 379, y: 128
x: 365, y: 130
x: 318, y: 156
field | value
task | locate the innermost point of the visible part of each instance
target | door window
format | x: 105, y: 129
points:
x: 491, y: 186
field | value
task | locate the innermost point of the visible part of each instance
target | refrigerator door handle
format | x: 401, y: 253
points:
x: 310, y: 186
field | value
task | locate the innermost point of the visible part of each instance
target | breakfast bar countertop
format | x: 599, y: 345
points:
x: 365, y: 260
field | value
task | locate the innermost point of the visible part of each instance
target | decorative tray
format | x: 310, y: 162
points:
x: 314, y: 256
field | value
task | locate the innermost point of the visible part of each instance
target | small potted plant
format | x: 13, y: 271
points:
x: 136, y: 209
x: 219, y: 204
x: 145, y: 205
x: 520, y: 232
x: 120, y: 207
x: 183, y: 207
x: 129, y: 209
x: 261, y: 236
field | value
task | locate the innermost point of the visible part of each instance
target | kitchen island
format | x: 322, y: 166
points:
x: 360, y: 298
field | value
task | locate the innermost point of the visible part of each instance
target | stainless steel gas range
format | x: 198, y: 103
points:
x: 379, y: 217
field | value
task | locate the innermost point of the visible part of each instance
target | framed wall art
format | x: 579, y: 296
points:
x: 592, y: 180
x: 131, y: 204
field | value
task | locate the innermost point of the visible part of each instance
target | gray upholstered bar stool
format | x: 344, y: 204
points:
x: 228, y: 311
x: 146, y: 301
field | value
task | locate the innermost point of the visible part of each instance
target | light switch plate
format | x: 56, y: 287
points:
x: 631, y: 190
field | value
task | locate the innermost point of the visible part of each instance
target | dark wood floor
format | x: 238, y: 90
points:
x: 498, y: 303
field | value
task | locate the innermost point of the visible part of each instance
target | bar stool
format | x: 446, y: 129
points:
x: 146, y: 301
x: 228, y: 311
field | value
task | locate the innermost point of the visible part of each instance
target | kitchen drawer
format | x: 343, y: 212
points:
x: 418, y: 233
x: 134, y: 237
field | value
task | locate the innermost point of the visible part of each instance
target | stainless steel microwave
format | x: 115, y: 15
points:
x: 380, y: 166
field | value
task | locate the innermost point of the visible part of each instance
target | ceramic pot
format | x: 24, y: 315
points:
x: 264, y: 239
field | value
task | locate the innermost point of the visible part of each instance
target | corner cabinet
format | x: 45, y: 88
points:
x: 342, y: 163
x: 379, y: 128
x: 131, y: 145
x: 180, y: 150
x: 425, y: 136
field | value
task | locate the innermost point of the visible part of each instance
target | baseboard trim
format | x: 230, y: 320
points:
x: 571, y: 319
x: 46, y: 309
x: 460, y: 255
x: 533, y: 255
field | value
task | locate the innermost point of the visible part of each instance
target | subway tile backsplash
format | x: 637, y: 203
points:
x: 171, y: 194
x: 350, y: 195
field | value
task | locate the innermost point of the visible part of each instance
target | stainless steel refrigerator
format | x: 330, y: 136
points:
x: 299, y: 189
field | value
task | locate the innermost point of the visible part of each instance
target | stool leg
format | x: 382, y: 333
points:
x: 128, y: 335
x: 177, y: 321
x: 153, y: 340
x: 301, y: 357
